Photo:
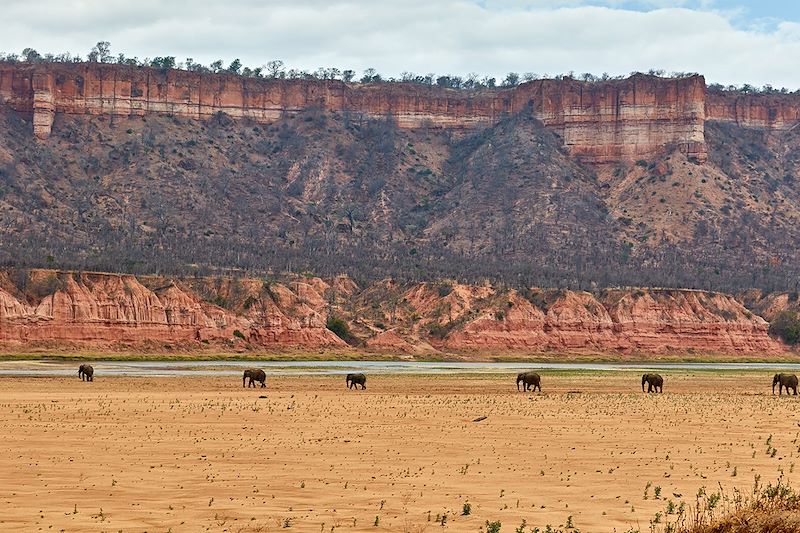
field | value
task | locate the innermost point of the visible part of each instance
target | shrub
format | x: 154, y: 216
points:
x: 493, y: 527
x: 786, y: 325
x: 239, y: 334
x: 340, y: 328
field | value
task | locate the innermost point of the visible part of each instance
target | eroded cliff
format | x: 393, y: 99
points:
x: 598, y: 122
x: 126, y: 312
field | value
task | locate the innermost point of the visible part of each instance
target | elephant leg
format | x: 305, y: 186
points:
x: 263, y: 384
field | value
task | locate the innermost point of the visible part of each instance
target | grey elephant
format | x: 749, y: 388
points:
x: 86, y: 372
x: 784, y: 380
x: 254, y: 374
x: 529, y: 379
x: 353, y: 380
x: 655, y: 383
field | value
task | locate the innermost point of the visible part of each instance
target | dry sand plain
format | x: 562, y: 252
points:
x: 203, y: 454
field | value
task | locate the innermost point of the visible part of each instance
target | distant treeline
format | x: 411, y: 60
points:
x: 276, y: 69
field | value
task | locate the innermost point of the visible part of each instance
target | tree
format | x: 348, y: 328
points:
x: 31, y: 56
x: 348, y: 75
x: 235, y: 66
x: 216, y: 66
x: 275, y: 69
x: 101, y: 52
x: 371, y: 76
x: 512, y: 80
x: 166, y: 62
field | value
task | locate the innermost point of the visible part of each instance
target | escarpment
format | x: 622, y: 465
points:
x: 598, y: 122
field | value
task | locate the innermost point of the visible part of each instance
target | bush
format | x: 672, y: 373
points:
x: 493, y: 527
x: 340, y: 328
x: 237, y: 333
x: 786, y: 325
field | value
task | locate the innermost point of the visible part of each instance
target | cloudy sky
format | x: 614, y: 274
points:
x: 729, y: 41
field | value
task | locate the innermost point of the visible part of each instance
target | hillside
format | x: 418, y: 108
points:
x: 555, y: 183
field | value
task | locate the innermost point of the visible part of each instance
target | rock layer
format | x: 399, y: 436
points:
x: 599, y: 121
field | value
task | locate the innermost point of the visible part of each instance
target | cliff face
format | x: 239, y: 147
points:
x: 598, y: 122
x: 125, y: 312
x: 761, y: 111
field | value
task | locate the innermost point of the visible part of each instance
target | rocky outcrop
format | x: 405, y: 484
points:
x: 598, y: 122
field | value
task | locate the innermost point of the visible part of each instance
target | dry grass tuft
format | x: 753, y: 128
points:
x: 769, y: 509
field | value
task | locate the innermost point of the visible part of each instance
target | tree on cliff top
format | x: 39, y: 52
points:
x: 101, y: 52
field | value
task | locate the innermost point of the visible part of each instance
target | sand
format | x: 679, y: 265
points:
x: 197, y: 454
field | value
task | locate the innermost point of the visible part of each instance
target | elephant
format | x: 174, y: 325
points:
x: 784, y: 380
x: 255, y: 374
x: 655, y: 383
x: 353, y: 380
x: 529, y: 379
x: 86, y: 372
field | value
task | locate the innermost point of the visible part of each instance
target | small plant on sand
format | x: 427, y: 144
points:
x: 493, y: 527
x: 521, y: 528
x: 657, y: 492
x: 377, y: 521
x: 467, y: 509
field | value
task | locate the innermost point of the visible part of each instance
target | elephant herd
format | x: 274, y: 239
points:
x: 529, y: 380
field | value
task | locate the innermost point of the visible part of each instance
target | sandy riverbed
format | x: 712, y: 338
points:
x: 192, y: 454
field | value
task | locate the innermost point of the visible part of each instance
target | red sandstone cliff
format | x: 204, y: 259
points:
x: 762, y: 111
x: 123, y: 311
x: 599, y: 122
x: 107, y: 309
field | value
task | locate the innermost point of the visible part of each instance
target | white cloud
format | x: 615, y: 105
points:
x: 442, y: 36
